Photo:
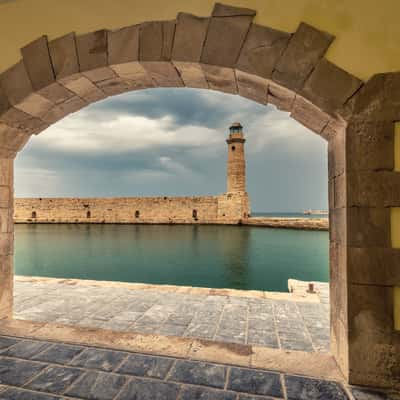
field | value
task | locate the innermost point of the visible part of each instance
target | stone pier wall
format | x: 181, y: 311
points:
x: 227, y: 208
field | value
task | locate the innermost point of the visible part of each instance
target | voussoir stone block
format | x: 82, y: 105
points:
x: 64, y: 56
x: 163, y: 73
x: 24, y: 122
x: 306, y: 47
x: 134, y: 73
x: 156, y: 40
x: 190, y: 35
x: 227, y: 31
x: 220, y: 78
x: 35, y: 105
x: 83, y: 87
x: 261, y: 50
x: 329, y: 86
x: 123, y: 45
x: 63, y: 109
x: 100, y: 74
x: 4, y: 103
x: 280, y: 97
x: 370, y: 145
x: 191, y: 74
x: 55, y: 93
x: 12, y: 138
x: 15, y: 83
x: 252, y: 87
x: 309, y: 115
x: 38, y: 64
x: 92, y: 50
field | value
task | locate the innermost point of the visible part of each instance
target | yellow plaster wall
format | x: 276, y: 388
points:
x: 367, y: 31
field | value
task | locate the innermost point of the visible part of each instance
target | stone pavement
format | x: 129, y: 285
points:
x: 277, y: 323
x: 41, y: 370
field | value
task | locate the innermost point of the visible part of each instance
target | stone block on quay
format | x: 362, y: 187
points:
x: 261, y: 50
x: 227, y: 31
x: 156, y: 40
x: 309, y: 115
x: 191, y: 74
x: 92, y: 50
x: 329, y: 86
x: 123, y: 45
x: 64, y: 56
x: 280, y: 97
x: 306, y: 47
x: 252, y: 87
x: 163, y: 73
x: 220, y: 78
x: 190, y: 35
x: 38, y: 64
x: 15, y: 83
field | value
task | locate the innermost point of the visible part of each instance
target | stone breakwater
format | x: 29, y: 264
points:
x: 315, y: 224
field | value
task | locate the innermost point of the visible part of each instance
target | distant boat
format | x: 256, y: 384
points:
x: 315, y: 212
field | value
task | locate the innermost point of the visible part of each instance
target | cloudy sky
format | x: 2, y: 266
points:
x: 172, y: 142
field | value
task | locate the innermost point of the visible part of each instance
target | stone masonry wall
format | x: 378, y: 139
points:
x: 180, y: 210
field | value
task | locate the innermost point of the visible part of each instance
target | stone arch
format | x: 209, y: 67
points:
x: 230, y: 53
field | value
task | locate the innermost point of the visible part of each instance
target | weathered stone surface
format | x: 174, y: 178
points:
x: 370, y: 145
x: 55, y: 93
x: 309, y: 115
x: 18, y: 119
x: 227, y: 31
x: 313, y: 389
x: 306, y: 47
x: 135, y: 74
x: 83, y: 87
x: 336, y: 153
x: 261, y: 50
x: 189, y: 38
x: 163, y: 73
x: 260, y: 383
x: 368, y: 227
x: 280, y: 97
x: 103, y: 360
x: 12, y: 138
x: 4, y: 103
x: 92, y: 50
x: 156, y: 40
x: 64, y: 56
x: 371, y: 310
x: 15, y: 83
x: 374, y: 266
x: 191, y: 74
x: 145, y: 389
x: 63, y: 109
x: 123, y: 45
x: 221, y: 79
x: 337, y: 225
x: 147, y: 366
x: 252, y: 87
x: 18, y: 372
x: 6, y: 173
x: 100, y: 74
x: 116, y: 86
x: 378, y: 99
x: 37, y: 62
x: 6, y: 286
x: 6, y: 244
x: 35, y: 105
x: 329, y: 86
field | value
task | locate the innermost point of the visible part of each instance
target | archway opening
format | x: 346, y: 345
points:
x: 185, y: 154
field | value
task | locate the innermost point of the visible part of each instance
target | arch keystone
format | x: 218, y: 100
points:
x: 306, y: 47
x: 123, y: 45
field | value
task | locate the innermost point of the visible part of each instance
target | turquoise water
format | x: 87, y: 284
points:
x: 211, y: 256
